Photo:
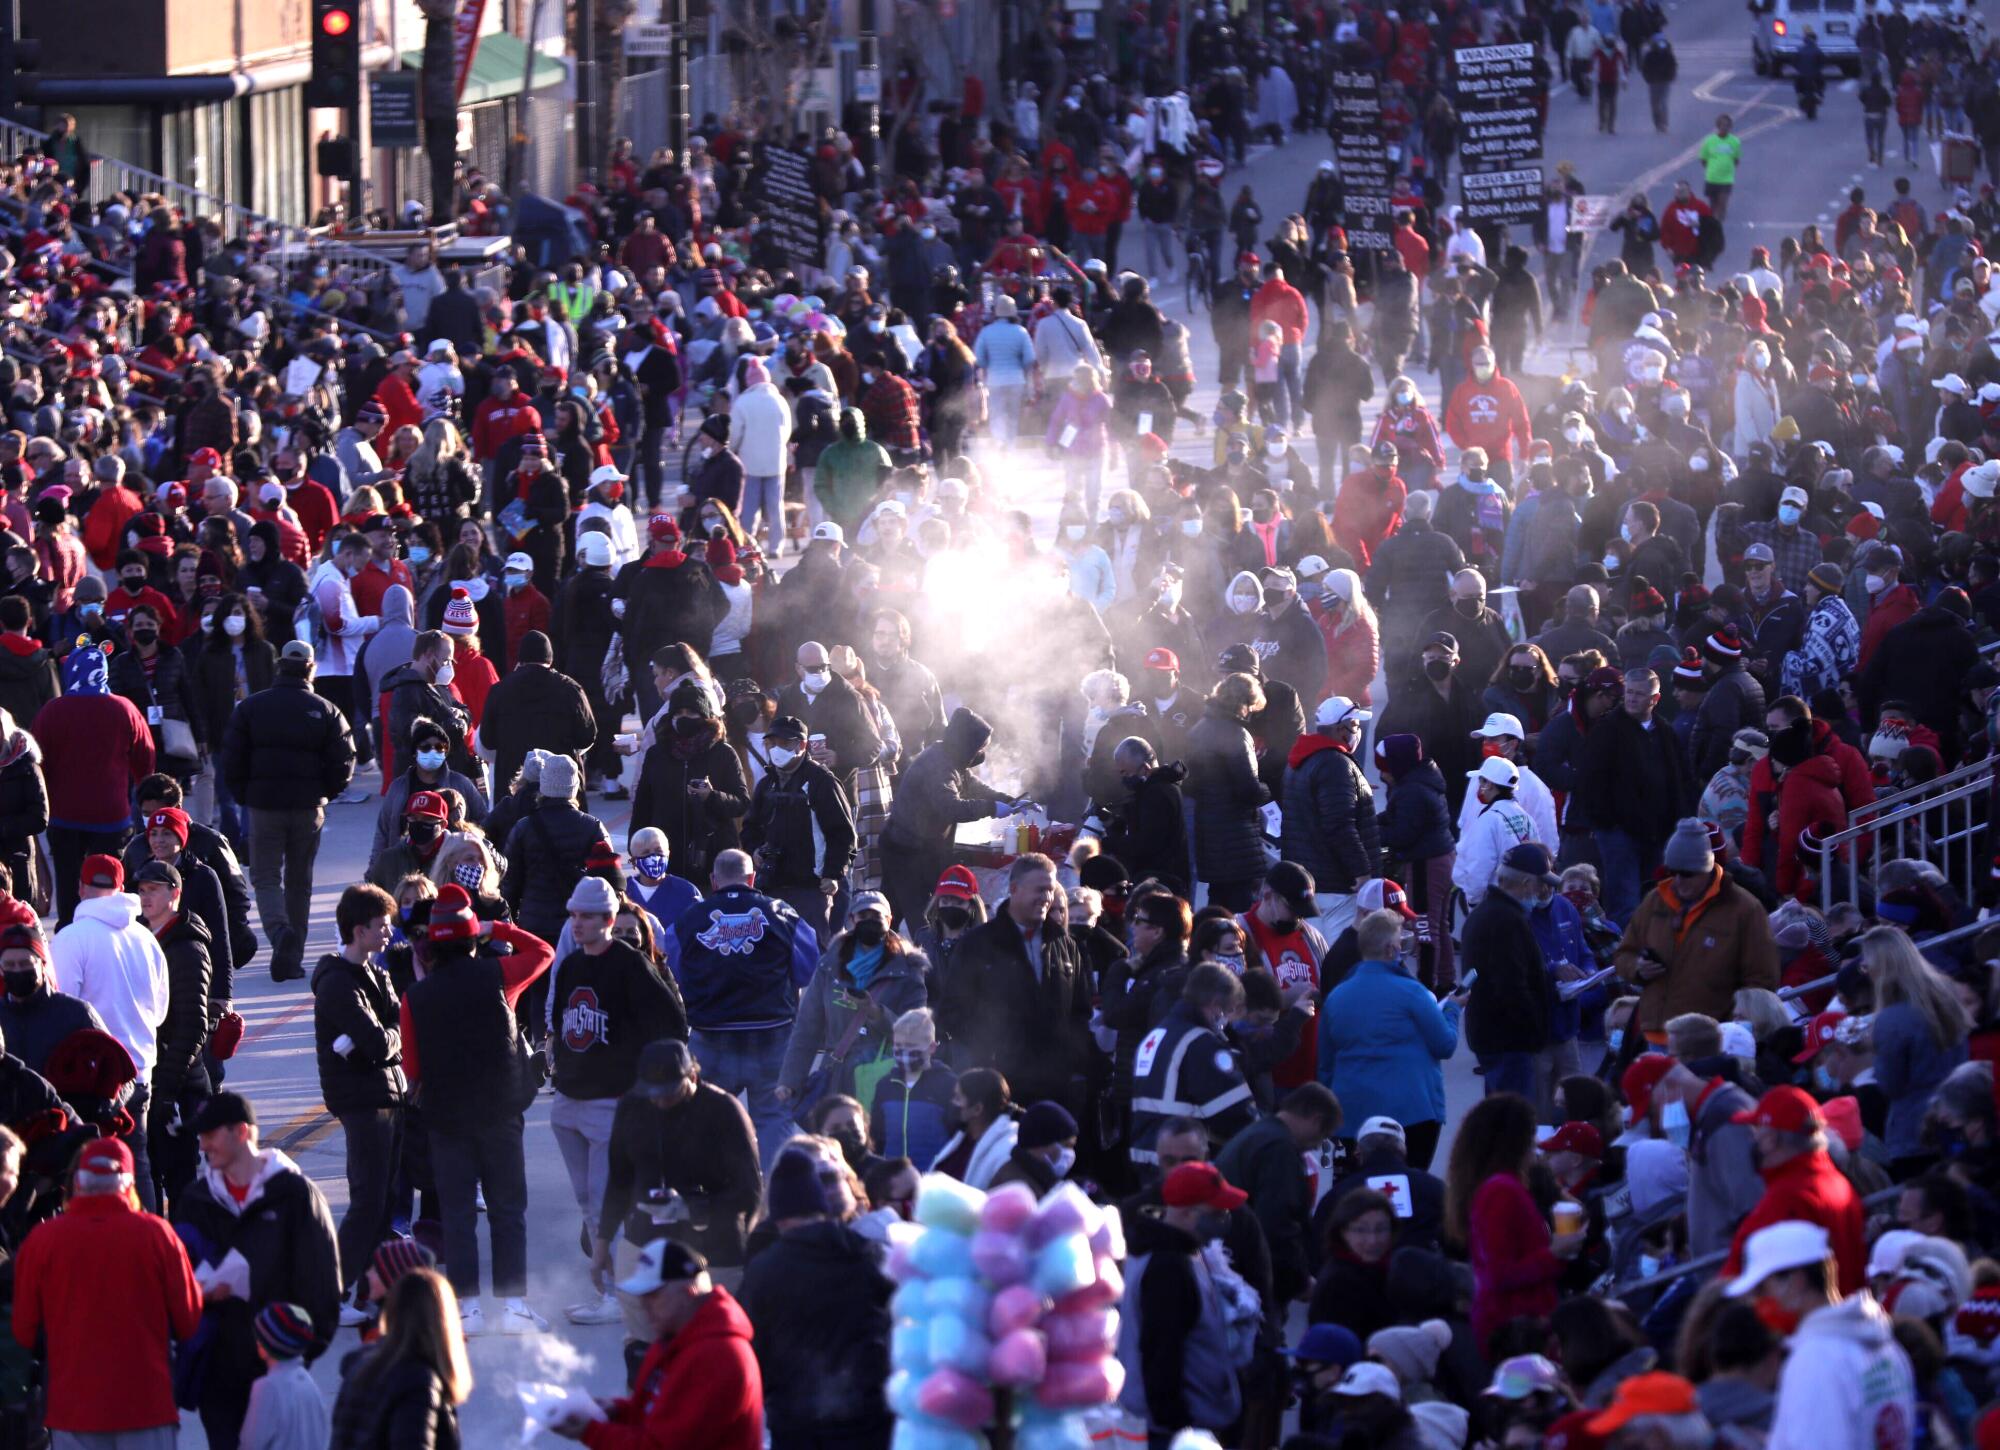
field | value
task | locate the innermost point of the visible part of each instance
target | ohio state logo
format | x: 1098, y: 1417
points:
x: 584, y: 1024
x: 733, y: 933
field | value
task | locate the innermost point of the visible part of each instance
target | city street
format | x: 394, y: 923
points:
x: 1793, y: 173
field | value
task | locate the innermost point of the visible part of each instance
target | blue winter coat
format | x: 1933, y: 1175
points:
x: 1558, y: 926
x: 1383, y: 1040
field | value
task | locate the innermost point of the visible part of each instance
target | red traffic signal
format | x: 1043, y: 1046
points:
x: 336, y: 22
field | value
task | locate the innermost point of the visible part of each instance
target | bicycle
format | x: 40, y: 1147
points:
x: 1200, y: 273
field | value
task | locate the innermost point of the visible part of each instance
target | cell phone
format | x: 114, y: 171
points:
x: 1465, y: 982
x: 695, y: 780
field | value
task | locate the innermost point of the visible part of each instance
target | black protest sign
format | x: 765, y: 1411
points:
x: 789, y: 206
x: 1500, y: 137
x: 1366, y: 173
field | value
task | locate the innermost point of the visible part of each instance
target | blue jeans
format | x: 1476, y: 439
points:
x: 747, y: 1064
x: 1628, y: 865
x: 1509, y: 1072
x: 766, y: 495
x: 1293, y: 383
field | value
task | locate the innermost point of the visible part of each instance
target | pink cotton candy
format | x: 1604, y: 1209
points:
x: 955, y: 1398
x: 1064, y: 1212
x: 1018, y: 1359
x: 1108, y: 1288
x: 1078, y: 1386
x: 1015, y: 1307
x: 1001, y: 1258
x: 1081, y: 1335
x: 1008, y: 1208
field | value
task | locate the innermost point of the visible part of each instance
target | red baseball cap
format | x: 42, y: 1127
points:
x: 1641, y: 1078
x: 105, y: 1155
x: 1382, y: 894
x: 663, y: 526
x: 1819, y: 1032
x: 1575, y: 1138
x: 1200, y: 1185
x: 1788, y: 1109
x: 1162, y: 659
x: 1843, y: 1120
x: 104, y: 873
x: 1658, y: 1393
x: 428, y: 804
x: 959, y: 883
x: 205, y: 455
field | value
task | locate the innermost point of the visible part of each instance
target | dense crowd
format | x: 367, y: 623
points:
x: 1165, y: 842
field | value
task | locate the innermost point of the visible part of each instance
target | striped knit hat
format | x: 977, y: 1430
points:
x: 285, y: 1330
x: 459, y: 616
x: 1724, y: 643
x: 534, y: 445
x: 452, y: 917
x: 1688, y: 671
x: 395, y: 1257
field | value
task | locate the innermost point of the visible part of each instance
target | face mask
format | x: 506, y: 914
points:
x: 1574, y: 435
x: 425, y: 833
x: 133, y: 582
x: 870, y: 932
x: 1470, y: 608
x: 782, y: 757
x: 1233, y: 962
x: 813, y: 681
x: 1674, y: 1124
x: 1611, y: 563
x: 469, y: 874
x: 1775, y: 1316
x: 1244, y: 603
x: 431, y: 759
x: 1629, y: 534
x: 208, y: 624
x: 1170, y: 595
x: 874, y: 324
x: 1064, y: 1160
x: 446, y: 672
x: 234, y: 625
x: 419, y: 554
x: 144, y: 637
x: 1438, y: 669
x: 1624, y: 414
x: 687, y: 725
x: 21, y: 984
x: 911, y: 1062
x: 1789, y: 513
x: 954, y: 918
x: 1404, y: 397
x: 1876, y: 583
x: 91, y: 609
x: 1824, y: 1080
x: 1118, y: 518
x: 1074, y: 532
x: 1698, y: 463
x: 1521, y: 677
x: 1190, y: 528
x: 516, y: 581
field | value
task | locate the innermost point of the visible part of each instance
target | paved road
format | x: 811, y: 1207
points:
x: 1793, y: 173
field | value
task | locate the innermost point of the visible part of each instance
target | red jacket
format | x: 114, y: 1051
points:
x: 497, y: 421
x: 1857, y: 789
x: 111, y: 1289
x: 1367, y: 512
x: 399, y: 401
x: 104, y: 525
x: 1352, y: 657
x: 79, y: 736
x: 293, y: 545
x: 1891, y: 609
x: 1680, y: 227
x: 374, y: 581
x: 313, y: 502
x: 1514, y: 1271
x: 1279, y: 301
x: 120, y: 602
x: 700, y: 1390
x: 526, y: 610
x: 1809, y: 795
x: 472, y: 675
x: 1809, y: 1187
x: 1489, y: 415
x: 1415, y: 251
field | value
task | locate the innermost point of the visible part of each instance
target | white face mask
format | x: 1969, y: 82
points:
x: 1698, y: 463
x: 1624, y: 415
x: 1574, y: 435
x: 1629, y: 534
x: 1611, y: 563
x: 1064, y: 1160
x: 233, y: 626
x: 1404, y: 397
x: 1275, y: 450
x: 446, y: 672
x: 782, y: 757
x: 1245, y: 603
x: 1674, y: 1124
x: 1876, y: 583
x: 1170, y: 595
x: 1075, y: 532
x: 813, y: 681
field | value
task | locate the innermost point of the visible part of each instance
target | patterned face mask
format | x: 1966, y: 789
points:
x: 469, y: 874
x: 653, y: 867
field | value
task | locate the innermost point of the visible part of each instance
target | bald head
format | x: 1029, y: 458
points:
x: 1418, y: 506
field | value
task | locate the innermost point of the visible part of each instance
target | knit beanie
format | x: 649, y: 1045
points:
x: 559, y: 778
x: 395, y: 1257
x: 536, y: 649
x: 459, y: 616
x: 795, y: 1190
x: 594, y: 894
x: 1687, y: 849
x: 285, y: 1330
x: 1412, y: 1351
x: 1399, y: 754
x: 1046, y: 1124
x: 531, y: 766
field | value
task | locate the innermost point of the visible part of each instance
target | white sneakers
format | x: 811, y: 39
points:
x: 515, y: 1318
x: 471, y: 1319
x: 353, y: 1316
x: 602, y: 1310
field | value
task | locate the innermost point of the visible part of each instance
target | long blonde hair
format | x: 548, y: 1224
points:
x: 420, y: 1322
x: 1345, y: 585
x: 1902, y: 975
x: 441, y: 441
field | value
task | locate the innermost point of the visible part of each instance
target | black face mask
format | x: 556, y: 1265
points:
x: 424, y: 834
x: 1521, y: 677
x: 1132, y: 782
x: 853, y: 1147
x: 1285, y: 925
x: 954, y: 918
x: 1470, y: 608
x: 1438, y: 669
x: 133, y: 582
x: 686, y: 725
x: 21, y: 984
x: 870, y: 932
x: 143, y: 637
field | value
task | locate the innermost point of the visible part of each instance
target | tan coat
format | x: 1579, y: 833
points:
x: 1727, y: 946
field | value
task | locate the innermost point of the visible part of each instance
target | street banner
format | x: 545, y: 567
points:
x: 465, y: 41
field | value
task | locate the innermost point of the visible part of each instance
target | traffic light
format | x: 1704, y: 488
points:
x: 336, y: 55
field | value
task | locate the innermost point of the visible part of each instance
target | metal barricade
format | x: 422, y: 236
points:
x: 1938, y: 821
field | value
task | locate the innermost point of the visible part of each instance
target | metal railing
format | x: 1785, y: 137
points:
x: 1716, y: 1260
x: 1937, y: 821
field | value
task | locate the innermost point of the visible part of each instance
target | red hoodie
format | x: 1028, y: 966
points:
x: 701, y: 1387
x: 1891, y: 608
x: 1809, y: 1188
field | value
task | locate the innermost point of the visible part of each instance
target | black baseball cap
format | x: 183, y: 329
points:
x: 786, y: 727
x: 224, y: 1110
x: 1294, y: 886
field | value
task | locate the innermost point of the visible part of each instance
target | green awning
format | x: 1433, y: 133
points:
x: 497, y: 67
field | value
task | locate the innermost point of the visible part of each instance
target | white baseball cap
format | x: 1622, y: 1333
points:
x: 1500, y: 723
x: 1312, y: 566
x: 1950, y: 383
x: 1366, y: 1377
x: 829, y: 530
x: 1792, y: 1244
x: 519, y: 563
x: 1384, y: 1125
x: 1338, y: 710
x: 1497, y: 770
x: 607, y: 473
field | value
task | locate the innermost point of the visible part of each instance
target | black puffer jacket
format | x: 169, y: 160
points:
x: 401, y: 1406
x: 802, y: 827
x: 413, y: 696
x: 535, y: 707
x: 819, y: 1302
x: 24, y: 812
x: 545, y: 855
x: 1415, y: 825
x: 211, y: 848
x: 170, y: 687
x: 1147, y: 830
x: 697, y: 830
x: 27, y: 678
x: 1330, y: 826
x: 287, y: 748
x: 179, y: 1074
x: 1222, y: 778
x: 358, y: 1003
